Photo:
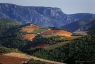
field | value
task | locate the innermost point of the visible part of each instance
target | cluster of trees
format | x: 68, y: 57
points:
x: 9, y: 32
x: 6, y: 50
x: 54, y: 39
x: 82, y: 49
x: 14, y: 43
x: 49, y: 40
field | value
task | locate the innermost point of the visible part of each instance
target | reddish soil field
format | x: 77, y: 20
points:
x: 64, y: 33
x: 57, y: 32
x: 49, y: 32
x: 42, y: 45
x: 30, y: 28
x: 29, y: 36
x: 11, y: 60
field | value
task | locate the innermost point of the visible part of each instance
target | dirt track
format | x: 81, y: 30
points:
x: 20, y: 55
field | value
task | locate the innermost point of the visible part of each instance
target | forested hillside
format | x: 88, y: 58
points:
x: 25, y: 37
x: 9, y: 31
x: 6, y: 24
x: 81, y: 49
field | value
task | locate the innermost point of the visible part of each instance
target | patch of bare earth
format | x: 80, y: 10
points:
x: 56, y: 32
x: 20, y: 55
x: 29, y: 36
x: 42, y: 45
x: 4, y: 59
x: 30, y: 28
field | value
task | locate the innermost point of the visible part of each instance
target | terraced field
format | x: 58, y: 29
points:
x: 29, y: 31
x: 29, y: 36
x: 40, y: 30
x: 30, y: 28
x: 56, y: 32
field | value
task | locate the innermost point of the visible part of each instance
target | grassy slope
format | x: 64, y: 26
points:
x: 56, y: 45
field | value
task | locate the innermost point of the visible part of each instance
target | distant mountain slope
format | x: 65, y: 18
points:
x: 82, y: 16
x: 81, y: 25
x: 42, y: 16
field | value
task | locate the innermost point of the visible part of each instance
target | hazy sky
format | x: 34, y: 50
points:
x: 67, y: 6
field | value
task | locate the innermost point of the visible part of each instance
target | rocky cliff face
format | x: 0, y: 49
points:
x: 43, y: 16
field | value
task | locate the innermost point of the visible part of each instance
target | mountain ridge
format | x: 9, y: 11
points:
x: 40, y: 15
x: 81, y: 25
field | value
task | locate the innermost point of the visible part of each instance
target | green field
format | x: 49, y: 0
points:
x: 70, y: 38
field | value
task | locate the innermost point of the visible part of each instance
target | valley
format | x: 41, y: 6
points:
x: 43, y: 45
x: 45, y: 35
x: 33, y: 36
